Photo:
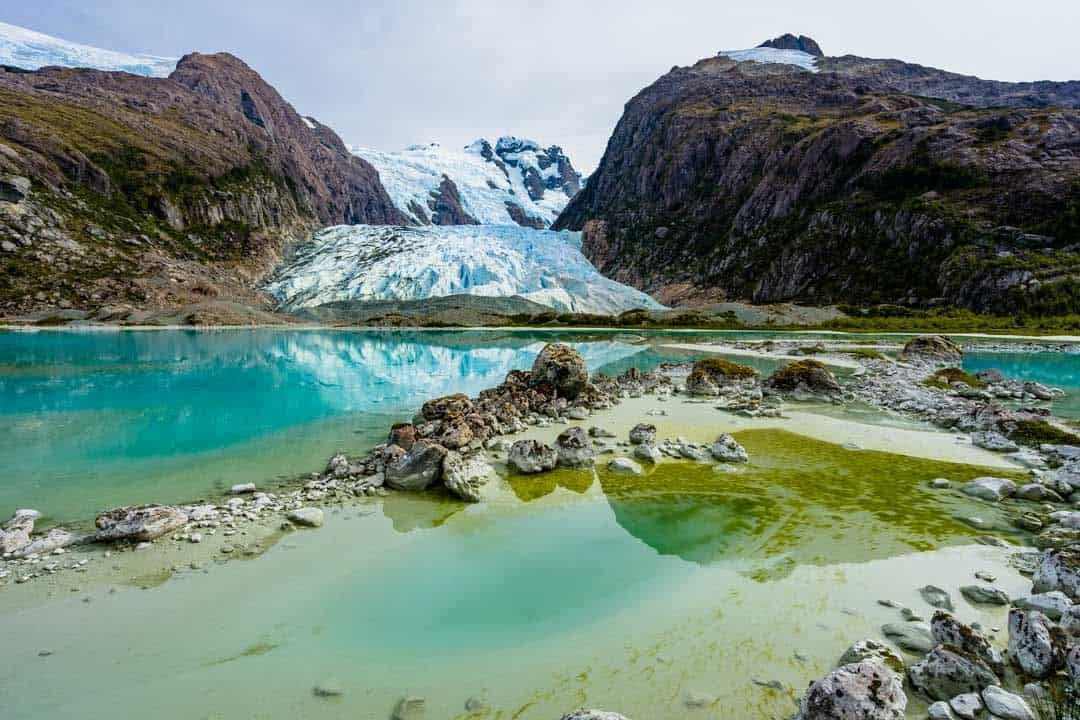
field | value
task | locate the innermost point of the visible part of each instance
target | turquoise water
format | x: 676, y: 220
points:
x: 1058, y: 369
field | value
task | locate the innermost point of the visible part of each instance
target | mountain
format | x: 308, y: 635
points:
x: 514, y: 182
x: 780, y: 174
x: 156, y: 192
x: 378, y: 263
x: 31, y: 50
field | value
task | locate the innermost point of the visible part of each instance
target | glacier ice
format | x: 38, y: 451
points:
x: 379, y: 262
x: 31, y: 50
x: 520, y: 172
x: 772, y: 55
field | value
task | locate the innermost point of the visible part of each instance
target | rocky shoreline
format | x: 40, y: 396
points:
x: 454, y: 442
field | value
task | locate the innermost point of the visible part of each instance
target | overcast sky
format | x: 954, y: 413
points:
x: 388, y: 74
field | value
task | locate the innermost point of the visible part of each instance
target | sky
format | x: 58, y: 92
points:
x: 390, y: 74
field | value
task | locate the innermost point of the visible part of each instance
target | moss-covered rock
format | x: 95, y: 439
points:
x: 936, y: 348
x: 808, y: 376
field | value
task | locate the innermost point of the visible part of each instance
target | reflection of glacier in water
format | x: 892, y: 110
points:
x: 98, y: 418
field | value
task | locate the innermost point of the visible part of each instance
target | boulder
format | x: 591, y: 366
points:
x: 993, y: 441
x: 809, y: 377
x: 1005, y: 705
x: 419, y: 468
x: 403, y: 435
x: 574, y: 449
x: 990, y: 488
x: 1052, y: 604
x: 44, y: 544
x: 306, y: 516
x: 873, y: 650
x: 935, y: 348
x: 625, y: 466
x: 726, y: 449
x: 647, y: 452
x: 139, y: 523
x: 948, y: 671
x: 866, y: 690
x: 1036, y: 645
x: 947, y: 630
x: 967, y: 706
x: 710, y: 375
x: 532, y: 456
x: 911, y: 636
x: 984, y: 595
x: 1058, y: 569
x: 643, y: 434
x: 562, y: 369
x: 464, y: 474
x: 448, y: 407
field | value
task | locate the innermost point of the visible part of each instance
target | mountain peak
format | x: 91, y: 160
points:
x: 788, y: 41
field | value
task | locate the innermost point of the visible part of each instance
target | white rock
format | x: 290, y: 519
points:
x: 242, y: 489
x: 306, y: 516
x: 990, y: 488
x: 1005, y: 705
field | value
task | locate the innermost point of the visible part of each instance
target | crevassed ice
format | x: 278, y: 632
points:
x: 31, y: 50
x: 772, y: 55
x: 412, y: 174
x: 377, y: 262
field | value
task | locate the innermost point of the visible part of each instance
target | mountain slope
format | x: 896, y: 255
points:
x: 372, y: 263
x: 516, y: 181
x: 31, y: 50
x: 161, y: 191
x: 827, y: 180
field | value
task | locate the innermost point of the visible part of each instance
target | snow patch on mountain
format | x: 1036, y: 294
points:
x: 31, y: 50
x: 771, y: 55
x: 378, y: 262
x: 514, y: 182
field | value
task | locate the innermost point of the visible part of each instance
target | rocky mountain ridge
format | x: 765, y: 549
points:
x: 159, y: 191
x: 862, y: 181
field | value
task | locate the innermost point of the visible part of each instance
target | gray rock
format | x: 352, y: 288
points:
x: 984, y: 595
x: 947, y: 630
x: 577, y: 413
x: 726, y: 449
x: 646, y: 452
x: 599, y: 432
x: 994, y: 441
x: 139, y: 523
x: 625, y: 466
x: 561, y: 368
x: 946, y: 672
x: 913, y: 637
x: 940, y: 711
x: 936, y: 597
x: 643, y: 434
x: 867, y: 690
x: 1005, y: 705
x: 574, y: 449
x: 14, y: 188
x: 532, y: 456
x: 242, y: 489
x: 1037, y: 493
x: 420, y: 467
x: 873, y: 650
x: 55, y: 539
x: 306, y: 516
x: 990, y: 488
x: 464, y: 474
x: 1036, y: 646
x: 1052, y: 604
x: 593, y: 715
x: 967, y: 706
x: 1072, y: 665
x: 1058, y: 569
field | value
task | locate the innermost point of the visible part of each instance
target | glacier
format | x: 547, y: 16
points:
x: 772, y: 55
x: 516, y: 181
x: 380, y: 262
x: 31, y: 50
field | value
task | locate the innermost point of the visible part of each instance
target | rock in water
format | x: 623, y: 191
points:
x: 420, y: 468
x: 984, y: 595
x: 726, y: 449
x: 867, y: 690
x: 409, y: 708
x: 647, y: 452
x: 306, y: 516
x: 936, y: 597
x: 574, y: 449
x: 810, y: 377
x: 52, y: 540
x: 625, y: 466
x: 16, y: 532
x: 948, y: 671
x: 465, y: 474
x: 532, y: 456
x: 139, y: 523
x: 912, y: 636
x: 594, y: 715
x: 873, y: 650
x: 947, y: 630
x: 936, y: 348
x: 709, y: 375
x: 643, y: 434
x: 561, y: 368
x: 1036, y: 645
x: 990, y: 488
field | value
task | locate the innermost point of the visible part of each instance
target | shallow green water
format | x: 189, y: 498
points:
x: 579, y: 588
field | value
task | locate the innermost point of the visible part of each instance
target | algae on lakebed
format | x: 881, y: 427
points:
x: 814, y: 501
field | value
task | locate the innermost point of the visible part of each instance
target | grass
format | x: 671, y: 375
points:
x: 945, y: 378
x: 865, y: 354
x: 720, y: 368
x: 1061, y: 702
x: 1037, y: 432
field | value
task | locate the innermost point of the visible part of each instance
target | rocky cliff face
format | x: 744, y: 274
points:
x: 159, y: 191
x: 861, y: 181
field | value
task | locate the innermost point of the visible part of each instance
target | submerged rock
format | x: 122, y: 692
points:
x: 936, y: 597
x: 867, y: 690
x: 532, y: 456
x: 306, y: 516
x: 139, y: 523
x: 409, y: 708
x: 984, y: 595
x: 594, y: 715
